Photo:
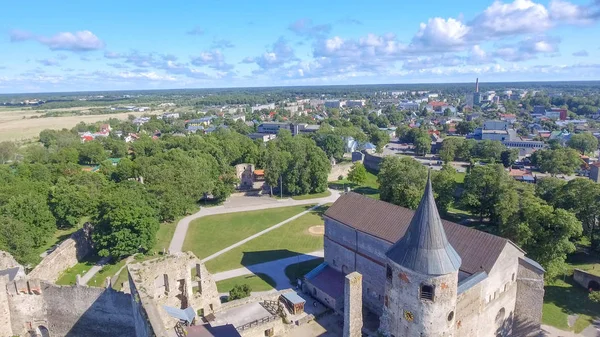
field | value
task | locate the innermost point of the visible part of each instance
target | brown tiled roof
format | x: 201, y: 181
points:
x: 478, y: 250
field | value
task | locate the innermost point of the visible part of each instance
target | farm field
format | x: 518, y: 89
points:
x: 14, y: 127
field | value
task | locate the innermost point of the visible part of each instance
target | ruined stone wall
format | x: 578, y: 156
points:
x: 70, y: 310
x: 337, y: 304
x: 66, y: 255
x: 372, y: 162
x: 5, y: 325
x: 584, y: 278
x: 530, y: 299
x: 7, y: 261
x: 353, y: 315
x: 339, y: 170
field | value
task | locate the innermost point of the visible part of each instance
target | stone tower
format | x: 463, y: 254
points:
x: 353, y: 320
x: 422, y: 277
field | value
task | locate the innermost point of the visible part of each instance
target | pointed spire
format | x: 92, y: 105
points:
x: 424, y: 247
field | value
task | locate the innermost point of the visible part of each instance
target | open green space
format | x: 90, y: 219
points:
x: 564, y: 298
x: 108, y: 270
x: 585, y: 262
x: 312, y: 196
x: 257, y: 282
x: 298, y: 270
x: 210, y: 234
x: 69, y: 276
x: 291, y: 239
x: 118, y: 285
x: 369, y: 188
x: 164, y: 236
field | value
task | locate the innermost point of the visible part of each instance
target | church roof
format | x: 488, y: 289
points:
x: 478, y: 250
x: 424, y: 248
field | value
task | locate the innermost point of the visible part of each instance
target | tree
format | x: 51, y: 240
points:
x: 582, y: 197
x: 15, y: 238
x: 464, y: 127
x: 544, y: 232
x: 583, y: 142
x: 422, y: 144
x: 594, y: 296
x: 332, y: 144
x: 73, y: 198
x: 443, y: 184
x: 379, y: 138
x: 547, y: 188
x: 91, y: 152
x: 490, y: 150
x: 449, y: 149
x: 401, y: 181
x: 559, y: 161
x: 509, y: 157
x: 357, y: 174
x: 485, y: 188
x: 239, y: 291
x: 7, y: 152
x: 126, y: 223
x: 276, y: 161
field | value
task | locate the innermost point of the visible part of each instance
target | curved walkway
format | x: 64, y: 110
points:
x: 274, y: 269
x: 241, y: 204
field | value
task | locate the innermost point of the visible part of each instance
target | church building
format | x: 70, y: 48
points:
x: 424, y: 276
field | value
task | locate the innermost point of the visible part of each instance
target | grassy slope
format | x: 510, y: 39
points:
x: 210, y: 234
x: 289, y: 240
x: 297, y: 270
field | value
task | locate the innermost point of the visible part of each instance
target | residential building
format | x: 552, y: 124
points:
x: 264, y: 137
x: 269, y: 106
x: 334, y: 104
x: 356, y: 103
x: 272, y: 127
x: 170, y: 115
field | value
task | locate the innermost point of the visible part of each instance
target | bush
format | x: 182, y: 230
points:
x: 341, y: 177
x: 594, y: 296
x: 239, y: 291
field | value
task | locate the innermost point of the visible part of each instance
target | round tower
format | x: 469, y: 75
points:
x: 422, y: 277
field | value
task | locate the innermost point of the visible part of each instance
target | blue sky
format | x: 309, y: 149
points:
x: 112, y: 45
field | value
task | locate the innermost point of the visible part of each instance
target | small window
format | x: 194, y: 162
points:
x: 450, y: 316
x: 388, y: 273
x: 334, y: 263
x: 427, y: 292
x: 513, y: 277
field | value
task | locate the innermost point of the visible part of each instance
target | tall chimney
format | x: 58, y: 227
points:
x: 477, y: 85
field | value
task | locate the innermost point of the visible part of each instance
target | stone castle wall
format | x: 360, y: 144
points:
x: 372, y: 162
x: 584, y: 278
x: 69, y: 310
x: 5, y: 325
x: 530, y: 299
x: 66, y: 255
x: 339, y: 170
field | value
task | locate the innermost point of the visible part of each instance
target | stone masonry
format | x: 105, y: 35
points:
x: 66, y: 255
x: 353, y: 319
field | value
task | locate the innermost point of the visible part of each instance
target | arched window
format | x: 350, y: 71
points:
x: 427, y: 292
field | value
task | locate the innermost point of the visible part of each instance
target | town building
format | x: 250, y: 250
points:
x: 359, y: 103
x: 334, y: 104
x: 424, y: 276
x: 269, y: 106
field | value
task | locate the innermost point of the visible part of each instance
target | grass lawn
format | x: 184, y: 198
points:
x: 370, y: 188
x: 69, y: 276
x: 118, y: 285
x: 210, y: 234
x: 164, y: 236
x: 312, y: 196
x: 564, y: 298
x: 109, y: 269
x: 585, y: 262
x: 297, y: 270
x: 459, y: 177
x: 288, y: 240
x: 258, y: 282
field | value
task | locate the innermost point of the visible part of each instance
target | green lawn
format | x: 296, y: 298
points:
x: 298, y: 270
x: 210, y: 234
x: 564, y: 298
x: 109, y: 269
x: 164, y: 236
x: 69, y: 276
x: 370, y: 188
x: 459, y: 177
x: 312, y: 196
x: 585, y: 262
x: 258, y: 282
x: 288, y: 240
x: 120, y: 280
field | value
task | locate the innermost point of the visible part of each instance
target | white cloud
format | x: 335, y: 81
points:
x: 566, y: 12
x: 440, y: 34
x: 76, y: 42
x: 581, y: 53
x: 515, y: 18
x: 305, y: 27
x: 213, y: 59
x: 195, y: 31
x: 48, y: 62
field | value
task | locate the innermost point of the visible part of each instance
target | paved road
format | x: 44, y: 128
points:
x: 274, y: 269
x: 240, y: 204
x: 95, y: 269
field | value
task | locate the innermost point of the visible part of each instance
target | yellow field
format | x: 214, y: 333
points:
x: 14, y: 127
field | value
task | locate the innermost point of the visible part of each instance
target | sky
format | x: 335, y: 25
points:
x: 73, y: 45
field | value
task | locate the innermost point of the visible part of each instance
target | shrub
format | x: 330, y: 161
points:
x: 239, y: 291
